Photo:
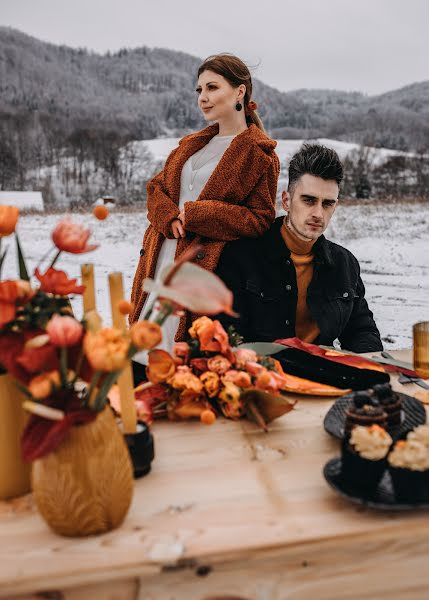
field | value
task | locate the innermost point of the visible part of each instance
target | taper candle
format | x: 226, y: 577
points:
x: 125, y: 380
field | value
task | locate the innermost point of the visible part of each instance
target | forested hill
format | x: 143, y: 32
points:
x: 56, y: 93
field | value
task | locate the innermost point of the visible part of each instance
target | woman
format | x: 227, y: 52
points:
x: 219, y: 183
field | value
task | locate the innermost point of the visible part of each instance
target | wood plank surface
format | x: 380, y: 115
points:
x: 227, y: 509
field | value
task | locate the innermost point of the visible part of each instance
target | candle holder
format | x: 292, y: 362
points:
x: 141, y: 448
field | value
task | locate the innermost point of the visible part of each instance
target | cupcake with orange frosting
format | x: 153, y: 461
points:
x: 364, y: 457
x: 409, y: 468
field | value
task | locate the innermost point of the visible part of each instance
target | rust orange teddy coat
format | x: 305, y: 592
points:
x: 237, y: 201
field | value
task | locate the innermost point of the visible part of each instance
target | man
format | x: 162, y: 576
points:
x: 292, y: 281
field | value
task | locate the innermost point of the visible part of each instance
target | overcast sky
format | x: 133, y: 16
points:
x: 366, y: 45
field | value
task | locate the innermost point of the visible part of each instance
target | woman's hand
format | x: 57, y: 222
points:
x: 177, y: 228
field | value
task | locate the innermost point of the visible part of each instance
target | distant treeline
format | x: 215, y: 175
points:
x: 58, y: 102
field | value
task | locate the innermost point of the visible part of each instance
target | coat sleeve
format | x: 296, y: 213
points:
x: 220, y: 220
x: 161, y: 210
x: 361, y: 333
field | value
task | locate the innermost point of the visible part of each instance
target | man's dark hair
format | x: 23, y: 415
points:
x: 316, y: 160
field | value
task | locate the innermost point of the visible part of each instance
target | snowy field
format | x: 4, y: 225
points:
x: 390, y: 241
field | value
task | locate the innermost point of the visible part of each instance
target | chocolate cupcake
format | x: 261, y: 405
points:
x: 363, y: 459
x: 390, y: 401
x: 365, y: 411
x: 409, y: 470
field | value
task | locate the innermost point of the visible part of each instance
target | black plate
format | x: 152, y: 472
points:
x: 382, y: 499
x: 413, y: 413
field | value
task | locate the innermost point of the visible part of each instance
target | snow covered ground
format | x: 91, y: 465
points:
x: 390, y: 241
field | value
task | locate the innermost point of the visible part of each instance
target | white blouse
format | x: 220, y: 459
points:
x: 195, y: 174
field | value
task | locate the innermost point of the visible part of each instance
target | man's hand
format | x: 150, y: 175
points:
x: 177, y: 228
x: 181, y: 217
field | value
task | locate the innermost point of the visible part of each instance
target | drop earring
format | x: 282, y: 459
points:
x: 238, y: 106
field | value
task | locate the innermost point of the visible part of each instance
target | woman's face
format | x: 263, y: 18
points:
x: 216, y: 96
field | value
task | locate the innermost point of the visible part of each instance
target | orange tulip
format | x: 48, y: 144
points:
x: 71, y: 237
x: 57, y: 282
x: 12, y: 293
x: 8, y: 219
x: 145, y: 335
x: 240, y: 378
x: 161, y: 366
x: 106, y: 349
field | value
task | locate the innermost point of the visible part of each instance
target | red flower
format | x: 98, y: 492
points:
x: 71, y: 237
x: 57, y: 282
x: 64, y: 331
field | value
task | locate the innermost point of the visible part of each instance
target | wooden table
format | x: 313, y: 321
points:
x: 227, y: 512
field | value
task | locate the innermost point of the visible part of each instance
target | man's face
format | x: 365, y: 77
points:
x: 310, y: 205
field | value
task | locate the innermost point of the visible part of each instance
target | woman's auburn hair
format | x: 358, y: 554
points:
x: 236, y: 73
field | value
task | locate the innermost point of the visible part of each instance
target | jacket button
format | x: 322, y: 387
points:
x: 200, y: 255
x: 142, y: 252
x: 287, y: 322
x: 288, y: 288
x: 345, y: 295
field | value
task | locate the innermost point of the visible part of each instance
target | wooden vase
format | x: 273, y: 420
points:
x: 85, y: 486
x: 14, y: 473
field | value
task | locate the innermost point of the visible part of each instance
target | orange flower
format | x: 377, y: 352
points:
x: 12, y: 293
x: 219, y: 364
x: 254, y: 368
x: 240, y: 378
x: 213, y: 338
x: 8, y: 219
x: 64, y: 331
x: 243, y: 355
x: 183, y: 379
x: 229, y: 398
x: 57, y: 282
x: 71, y: 237
x: 181, y: 352
x: 161, y: 366
x: 106, y: 349
x: 100, y: 212
x: 198, y: 325
x: 145, y: 335
x: 42, y: 385
x: 211, y: 383
x: 125, y: 307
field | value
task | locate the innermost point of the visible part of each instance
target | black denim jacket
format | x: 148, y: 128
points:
x: 262, y: 277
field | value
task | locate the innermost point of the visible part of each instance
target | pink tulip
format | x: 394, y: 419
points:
x: 71, y: 237
x: 64, y: 331
x: 244, y: 355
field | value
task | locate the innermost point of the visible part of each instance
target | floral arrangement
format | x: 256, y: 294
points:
x: 207, y: 376
x: 64, y: 366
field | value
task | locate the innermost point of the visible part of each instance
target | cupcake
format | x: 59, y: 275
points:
x: 363, y: 459
x: 409, y: 469
x: 390, y: 401
x: 420, y: 434
x: 364, y: 411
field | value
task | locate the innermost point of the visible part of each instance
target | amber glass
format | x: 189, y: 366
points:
x: 421, y: 349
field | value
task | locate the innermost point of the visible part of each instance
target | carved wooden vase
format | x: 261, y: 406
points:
x: 85, y: 486
x: 14, y: 473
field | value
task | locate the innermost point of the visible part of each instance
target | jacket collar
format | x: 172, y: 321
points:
x: 276, y: 250
x: 252, y: 134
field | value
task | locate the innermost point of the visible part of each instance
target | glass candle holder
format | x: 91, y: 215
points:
x: 421, y: 349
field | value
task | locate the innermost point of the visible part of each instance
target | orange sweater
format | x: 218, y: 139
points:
x: 302, y: 257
